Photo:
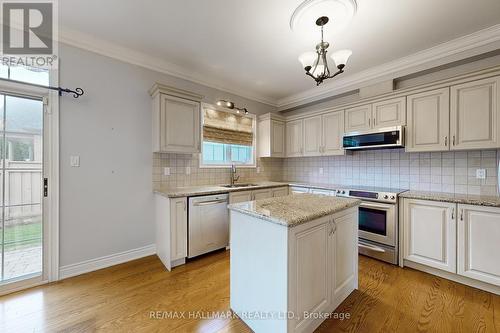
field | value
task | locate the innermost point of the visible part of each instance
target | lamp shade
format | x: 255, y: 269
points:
x: 340, y: 57
x: 307, y: 59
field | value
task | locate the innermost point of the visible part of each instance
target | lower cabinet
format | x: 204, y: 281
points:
x: 456, y: 238
x: 279, y: 192
x: 479, y: 243
x: 243, y: 196
x: 262, y: 194
x: 430, y: 233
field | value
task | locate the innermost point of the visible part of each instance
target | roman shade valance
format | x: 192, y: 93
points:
x: 225, y: 127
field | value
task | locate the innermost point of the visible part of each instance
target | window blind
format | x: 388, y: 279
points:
x: 225, y: 127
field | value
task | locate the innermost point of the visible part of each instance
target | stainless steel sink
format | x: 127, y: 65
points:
x: 238, y: 185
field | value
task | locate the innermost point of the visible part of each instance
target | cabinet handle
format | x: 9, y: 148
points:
x: 369, y: 121
x: 453, y: 139
x: 461, y: 214
x: 184, y: 205
x: 453, y: 213
x: 446, y: 141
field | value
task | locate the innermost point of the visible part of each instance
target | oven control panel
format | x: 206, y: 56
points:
x: 368, y: 195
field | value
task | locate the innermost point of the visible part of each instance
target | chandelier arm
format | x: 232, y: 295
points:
x: 315, y: 65
x: 326, y: 70
x: 340, y: 71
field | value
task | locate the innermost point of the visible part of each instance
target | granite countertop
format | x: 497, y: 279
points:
x: 469, y: 199
x: 293, y: 210
x: 177, y: 192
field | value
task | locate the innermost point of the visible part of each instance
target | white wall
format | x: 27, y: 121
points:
x: 106, y: 203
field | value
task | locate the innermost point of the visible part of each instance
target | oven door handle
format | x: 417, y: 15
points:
x: 376, y: 205
x: 371, y: 247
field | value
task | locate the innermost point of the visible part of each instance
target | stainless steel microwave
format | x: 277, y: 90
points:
x: 388, y: 137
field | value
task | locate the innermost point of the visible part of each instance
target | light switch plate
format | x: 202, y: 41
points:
x: 166, y: 171
x: 481, y: 173
x: 74, y: 161
x: 188, y: 170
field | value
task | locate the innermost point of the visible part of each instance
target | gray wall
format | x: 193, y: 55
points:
x: 106, y: 204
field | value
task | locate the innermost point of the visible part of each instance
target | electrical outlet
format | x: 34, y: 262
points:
x: 320, y: 171
x: 74, y: 161
x: 166, y: 171
x: 188, y: 170
x: 481, y: 173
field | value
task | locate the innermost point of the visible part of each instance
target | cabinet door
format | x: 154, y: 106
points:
x: 179, y: 125
x: 358, y: 118
x: 178, y: 228
x: 475, y: 114
x: 280, y: 192
x: 479, y: 243
x: 309, y: 271
x: 277, y: 139
x: 294, y: 135
x: 261, y: 194
x: 332, y: 133
x: 430, y: 233
x: 237, y: 197
x: 428, y: 121
x: 312, y: 136
x: 389, y: 113
x: 344, y: 254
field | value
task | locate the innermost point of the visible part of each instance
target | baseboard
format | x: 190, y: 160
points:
x: 106, y: 261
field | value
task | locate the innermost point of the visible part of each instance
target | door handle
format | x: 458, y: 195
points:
x: 208, y: 203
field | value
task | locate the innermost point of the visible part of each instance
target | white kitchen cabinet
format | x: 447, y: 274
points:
x: 279, y: 192
x: 262, y: 194
x: 294, y: 138
x: 332, y: 133
x: 479, y: 243
x: 176, y: 120
x: 171, y: 230
x: 475, y: 114
x: 430, y: 233
x: 428, y: 121
x: 271, y: 136
x: 344, y: 256
x: 237, y: 197
x: 312, y: 136
x: 358, y: 118
x: 299, y: 189
x: 389, y: 113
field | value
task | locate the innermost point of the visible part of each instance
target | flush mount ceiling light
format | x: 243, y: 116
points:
x: 315, y: 63
x: 340, y: 13
x: 230, y: 105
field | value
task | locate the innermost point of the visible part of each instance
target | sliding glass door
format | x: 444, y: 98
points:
x: 21, y: 192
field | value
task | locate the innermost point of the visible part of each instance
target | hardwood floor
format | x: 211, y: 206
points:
x: 125, y: 298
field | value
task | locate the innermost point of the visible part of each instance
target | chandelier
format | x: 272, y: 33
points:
x: 315, y: 63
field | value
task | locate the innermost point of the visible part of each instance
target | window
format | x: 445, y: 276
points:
x: 228, y: 138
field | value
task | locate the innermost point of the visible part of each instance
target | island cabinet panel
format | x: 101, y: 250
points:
x: 430, y: 233
x: 475, y: 114
x: 344, y: 256
x: 479, y: 243
x: 310, y: 271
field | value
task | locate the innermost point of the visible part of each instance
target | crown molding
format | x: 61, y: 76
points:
x: 90, y: 43
x: 479, y: 42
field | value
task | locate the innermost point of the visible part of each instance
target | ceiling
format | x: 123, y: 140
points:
x: 247, y: 47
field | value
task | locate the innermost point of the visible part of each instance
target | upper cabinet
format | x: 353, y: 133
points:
x: 428, y: 121
x: 475, y: 119
x: 387, y: 113
x: 312, y: 136
x: 358, y: 118
x: 176, y: 120
x: 294, y: 138
x: 332, y: 133
x: 271, y: 136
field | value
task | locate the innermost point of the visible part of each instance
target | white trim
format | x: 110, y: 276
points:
x: 106, y: 261
x: 479, y: 42
x: 112, y: 50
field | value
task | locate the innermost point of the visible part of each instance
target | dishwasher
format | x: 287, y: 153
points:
x: 208, y: 224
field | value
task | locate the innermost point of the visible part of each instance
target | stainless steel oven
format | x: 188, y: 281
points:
x: 378, y: 222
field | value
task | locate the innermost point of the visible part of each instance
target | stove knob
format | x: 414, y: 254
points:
x: 338, y: 191
x: 393, y: 197
x: 386, y: 196
x: 343, y: 192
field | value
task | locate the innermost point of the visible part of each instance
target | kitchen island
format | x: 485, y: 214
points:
x: 294, y: 259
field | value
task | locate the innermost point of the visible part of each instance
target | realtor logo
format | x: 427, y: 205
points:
x: 27, y: 28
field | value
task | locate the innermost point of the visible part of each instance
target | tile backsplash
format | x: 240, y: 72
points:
x: 453, y: 172
x: 438, y: 171
x: 269, y: 169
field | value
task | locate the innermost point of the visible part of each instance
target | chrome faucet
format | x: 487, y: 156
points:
x: 234, y: 178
